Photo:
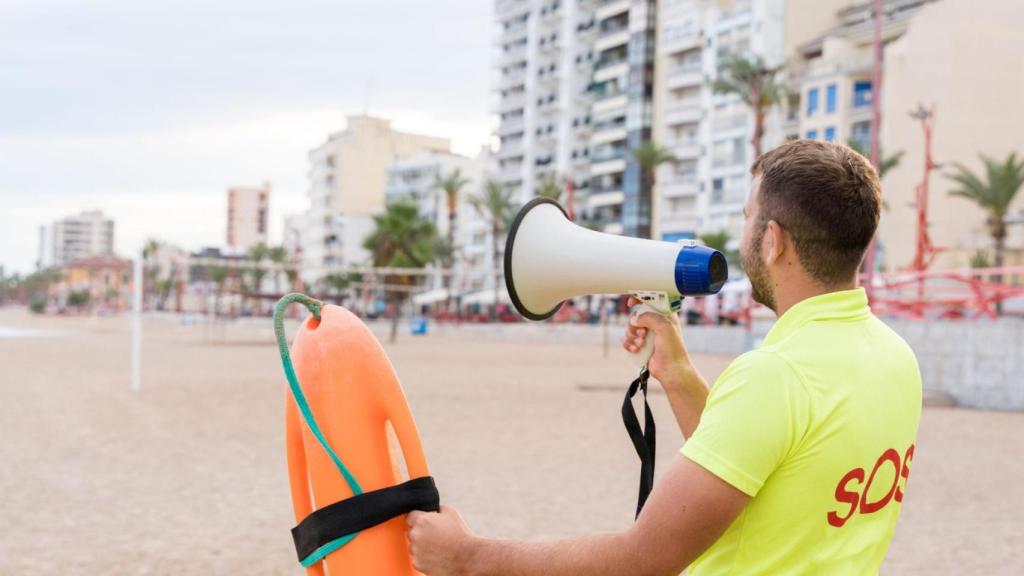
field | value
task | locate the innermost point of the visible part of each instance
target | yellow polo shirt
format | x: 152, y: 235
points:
x: 818, y: 427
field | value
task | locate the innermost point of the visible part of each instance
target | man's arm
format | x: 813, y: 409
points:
x: 686, y: 389
x: 687, y: 511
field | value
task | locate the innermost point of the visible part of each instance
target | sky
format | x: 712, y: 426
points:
x: 149, y: 109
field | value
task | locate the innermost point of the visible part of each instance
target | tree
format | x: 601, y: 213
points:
x: 887, y: 162
x: 495, y: 205
x: 256, y: 255
x: 720, y: 241
x: 757, y: 87
x: 994, y: 193
x: 151, y: 266
x: 218, y: 275
x: 649, y: 156
x: 550, y: 189
x: 401, y: 239
x: 277, y: 255
x: 451, y: 185
x: 336, y: 284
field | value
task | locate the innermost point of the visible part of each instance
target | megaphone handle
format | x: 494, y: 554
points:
x: 642, y: 356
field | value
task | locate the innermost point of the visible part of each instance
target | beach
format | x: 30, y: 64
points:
x: 523, y: 435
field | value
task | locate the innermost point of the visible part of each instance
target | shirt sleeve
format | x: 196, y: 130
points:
x: 757, y: 411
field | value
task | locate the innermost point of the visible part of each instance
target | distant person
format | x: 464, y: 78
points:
x: 796, y: 462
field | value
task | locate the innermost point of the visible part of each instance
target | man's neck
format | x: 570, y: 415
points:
x: 800, y: 289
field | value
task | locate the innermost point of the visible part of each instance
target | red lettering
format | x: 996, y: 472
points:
x: 889, y: 455
x: 904, y: 473
x: 844, y: 495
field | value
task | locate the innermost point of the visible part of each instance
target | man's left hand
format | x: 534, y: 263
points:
x: 440, y: 542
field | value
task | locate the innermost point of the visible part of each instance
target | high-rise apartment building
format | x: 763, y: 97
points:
x: 347, y: 177
x: 575, y: 87
x: 833, y: 72
x: 247, y: 216
x: 710, y: 133
x: 87, y: 234
x: 414, y: 179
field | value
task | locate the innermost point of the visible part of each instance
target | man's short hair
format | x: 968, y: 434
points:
x: 827, y: 197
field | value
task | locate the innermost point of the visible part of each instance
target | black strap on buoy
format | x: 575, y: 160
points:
x: 352, y: 515
x: 643, y: 440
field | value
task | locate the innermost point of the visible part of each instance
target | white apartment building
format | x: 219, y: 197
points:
x: 87, y: 234
x: 248, y: 208
x: 834, y: 79
x: 414, y: 179
x: 545, y: 60
x: 709, y: 134
x: 566, y: 107
x: 347, y: 177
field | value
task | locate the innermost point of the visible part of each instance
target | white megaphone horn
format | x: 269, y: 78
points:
x: 549, y: 260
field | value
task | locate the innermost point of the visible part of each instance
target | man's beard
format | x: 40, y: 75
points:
x: 762, y: 289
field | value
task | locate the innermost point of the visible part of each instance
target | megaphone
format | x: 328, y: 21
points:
x: 548, y: 260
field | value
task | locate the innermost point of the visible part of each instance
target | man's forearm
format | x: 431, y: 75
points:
x: 595, y: 555
x: 687, y: 393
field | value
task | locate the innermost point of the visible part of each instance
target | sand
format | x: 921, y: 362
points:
x: 523, y: 434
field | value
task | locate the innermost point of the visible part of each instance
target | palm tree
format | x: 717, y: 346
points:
x: 994, y: 193
x: 256, y: 255
x: 218, y: 275
x: 719, y: 241
x: 649, y: 156
x: 277, y: 255
x: 887, y: 162
x: 756, y: 85
x: 151, y: 266
x: 495, y: 205
x: 451, y: 185
x: 401, y: 239
x: 550, y: 189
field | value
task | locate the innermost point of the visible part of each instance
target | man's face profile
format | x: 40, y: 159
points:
x: 751, y: 258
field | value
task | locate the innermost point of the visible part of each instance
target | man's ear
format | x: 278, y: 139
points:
x: 774, y: 242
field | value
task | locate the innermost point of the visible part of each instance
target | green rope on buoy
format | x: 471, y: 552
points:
x: 314, y: 306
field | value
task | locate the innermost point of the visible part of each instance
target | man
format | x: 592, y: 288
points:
x: 797, y: 460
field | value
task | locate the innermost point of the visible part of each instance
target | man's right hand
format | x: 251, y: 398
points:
x: 670, y: 360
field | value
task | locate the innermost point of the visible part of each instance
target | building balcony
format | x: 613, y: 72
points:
x: 608, y: 8
x: 683, y: 76
x: 618, y: 37
x: 511, y: 150
x: 620, y: 70
x: 507, y: 9
x: 513, y: 102
x: 514, y: 78
x: 608, y: 105
x: 730, y: 122
x: 683, y: 111
x: 613, y: 133
x: 681, y: 42
x: 512, y: 56
x: 609, y: 62
x: 678, y: 221
x: 607, y: 166
x: 688, y: 149
x: 511, y: 126
x: 679, y: 185
x: 601, y: 199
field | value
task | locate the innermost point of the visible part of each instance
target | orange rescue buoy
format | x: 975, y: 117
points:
x: 352, y: 393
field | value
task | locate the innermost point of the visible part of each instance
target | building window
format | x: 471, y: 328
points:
x: 862, y: 94
x: 812, y: 101
x: 830, y: 99
x: 860, y: 133
x: 830, y: 134
x: 812, y: 134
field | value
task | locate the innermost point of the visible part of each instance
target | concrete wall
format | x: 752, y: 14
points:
x: 973, y: 364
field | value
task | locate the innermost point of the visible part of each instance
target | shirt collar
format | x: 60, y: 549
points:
x: 844, y: 304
